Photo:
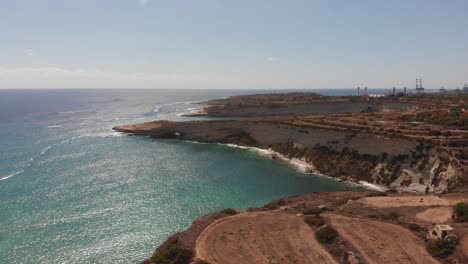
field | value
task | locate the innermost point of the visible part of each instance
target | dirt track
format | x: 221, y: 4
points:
x: 380, y: 242
x: 264, y: 237
x: 420, y: 200
x: 439, y: 215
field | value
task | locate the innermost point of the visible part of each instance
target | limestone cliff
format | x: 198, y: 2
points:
x: 406, y: 164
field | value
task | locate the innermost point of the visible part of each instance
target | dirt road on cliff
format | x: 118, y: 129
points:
x: 380, y: 242
x: 263, y: 237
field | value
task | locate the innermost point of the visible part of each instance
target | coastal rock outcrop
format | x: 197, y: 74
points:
x: 405, y: 164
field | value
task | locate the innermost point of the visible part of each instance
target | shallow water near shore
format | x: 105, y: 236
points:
x: 74, y: 191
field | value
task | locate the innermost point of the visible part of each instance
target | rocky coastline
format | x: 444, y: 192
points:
x: 404, y: 164
x: 397, y: 145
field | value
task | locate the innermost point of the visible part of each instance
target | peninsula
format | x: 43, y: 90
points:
x: 411, y: 146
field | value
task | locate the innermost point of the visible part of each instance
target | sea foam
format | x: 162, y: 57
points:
x: 11, y: 175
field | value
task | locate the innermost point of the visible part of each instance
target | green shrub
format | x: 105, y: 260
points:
x: 172, y: 253
x: 312, y: 211
x: 315, y: 220
x: 461, y: 212
x: 229, y: 211
x: 326, y: 235
x: 377, y: 194
x: 435, y: 133
x: 390, y: 216
x: 282, y: 202
x: 440, y: 248
x: 415, y: 227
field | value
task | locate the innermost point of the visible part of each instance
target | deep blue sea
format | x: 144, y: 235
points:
x: 73, y: 191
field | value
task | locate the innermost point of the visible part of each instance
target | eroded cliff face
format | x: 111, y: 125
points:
x: 417, y: 172
x: 400, y: 163
x: 300, y: 109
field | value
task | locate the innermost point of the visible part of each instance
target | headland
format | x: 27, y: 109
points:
x: 414, y: 146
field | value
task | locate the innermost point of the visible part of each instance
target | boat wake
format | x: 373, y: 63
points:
x: 11, y: 175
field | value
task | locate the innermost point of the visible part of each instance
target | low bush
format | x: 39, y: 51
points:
x: 229, y: 211
x: 326, y: 235
x: 390, y: 216
x: 312, y: 211
x: 415, y: 227
x: 315, y: 220
x: 172, y: 253
x: 440, y: 248
x: 282, y: 202
x: 461, y: 212
x: 377, y: 194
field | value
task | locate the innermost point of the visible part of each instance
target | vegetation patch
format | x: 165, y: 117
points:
x: 326, y: 234
x: 441, y: 248
x: 312, y: 211
x: 390, y: 216
x: 461, y: 212
x: 202, y: 262
x: 173, y: 253
x: 315, y: 221
x: 229, y: 211
x: 415, y: 227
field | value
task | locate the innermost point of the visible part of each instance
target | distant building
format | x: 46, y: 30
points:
x: 419, y: 87
x: 375, y: 95
x: 440, y: 232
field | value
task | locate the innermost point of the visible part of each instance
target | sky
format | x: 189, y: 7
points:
x: 237, y: 44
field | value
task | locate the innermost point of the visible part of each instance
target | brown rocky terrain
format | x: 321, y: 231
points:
x: 293, y: 104
x: 368, y: 231
x: 261, y: 237
x: 405, y: 160
x: 405, y: 143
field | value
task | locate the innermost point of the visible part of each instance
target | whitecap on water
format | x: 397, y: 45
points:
x: 11, y: 175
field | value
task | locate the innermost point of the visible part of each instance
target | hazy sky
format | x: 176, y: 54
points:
x: 232, y: 44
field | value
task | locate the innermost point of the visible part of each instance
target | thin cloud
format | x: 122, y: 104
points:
x: 28, y: 52
x: 272, y: 59
x: 143, y: 2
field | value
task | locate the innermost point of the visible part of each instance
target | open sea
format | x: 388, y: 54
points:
x: 74, y: 191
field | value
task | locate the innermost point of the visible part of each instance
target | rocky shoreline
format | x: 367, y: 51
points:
x: 404, y: 164
x: 378, y: 143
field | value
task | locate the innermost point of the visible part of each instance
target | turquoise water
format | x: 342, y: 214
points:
x: 73, y: 191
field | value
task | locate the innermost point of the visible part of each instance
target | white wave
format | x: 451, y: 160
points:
x: 98, y: 134
x: 158, y: 108
x: 128, y: 118
x: 304, y: 166
x: 74, y: 112
x: 56, y: 126
x: 44, y: 150
x: 299, y: 164
x: 11, y: 175
x: 73, y: 138
x: 108, y: 134
x: 373, y: 186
